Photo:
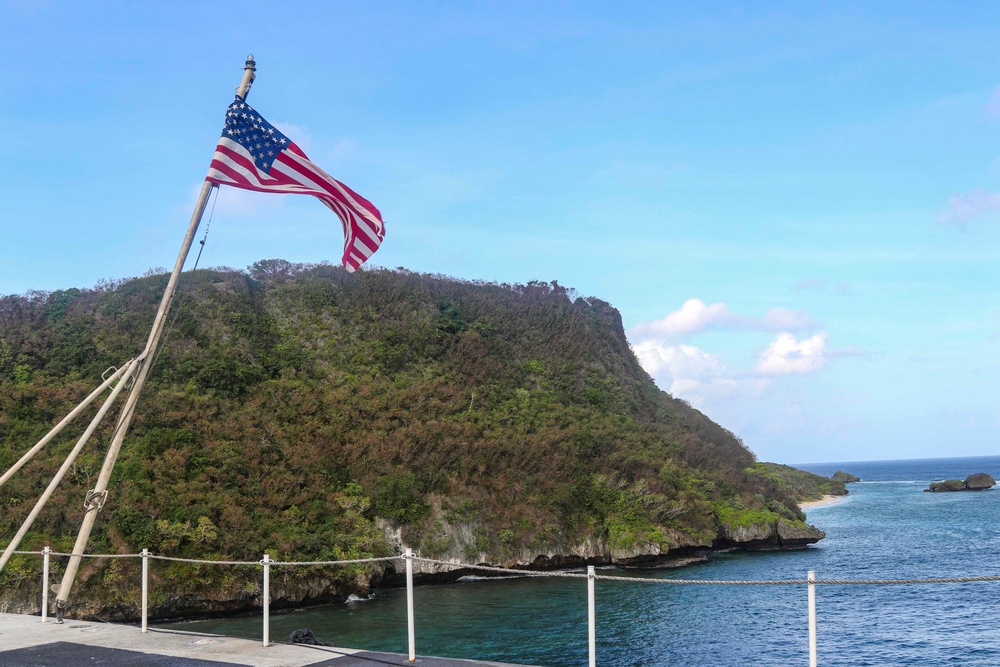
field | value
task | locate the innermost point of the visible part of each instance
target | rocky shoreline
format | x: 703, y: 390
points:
x: 293, y: 590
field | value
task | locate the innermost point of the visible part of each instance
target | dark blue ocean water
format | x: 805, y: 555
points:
x: 886, y: 528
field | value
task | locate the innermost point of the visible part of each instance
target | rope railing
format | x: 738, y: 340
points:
x: 409, y: 558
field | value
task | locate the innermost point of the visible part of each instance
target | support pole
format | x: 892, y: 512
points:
x: 811, y: 594
x: 267, y: 600
x: 45, y: 584
x: 60, y: 426
x: 67, y: 464
x: 410, y: 625
x: 145, y: 359
x: 145, y: 590
x: 591, y: 616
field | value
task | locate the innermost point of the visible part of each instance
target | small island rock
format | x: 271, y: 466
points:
x: 947, y: 485
x: 977, y: 482
x: 845, y: 477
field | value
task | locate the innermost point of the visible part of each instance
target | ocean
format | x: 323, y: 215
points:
x: 886, y: 528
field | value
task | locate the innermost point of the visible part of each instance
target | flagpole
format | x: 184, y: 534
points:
x: 96, y: 498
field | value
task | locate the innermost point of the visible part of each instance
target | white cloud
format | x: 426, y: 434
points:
x: 697, y: 376
x: 965, y: 207
x: 695, y: 315
x: 785, y: 355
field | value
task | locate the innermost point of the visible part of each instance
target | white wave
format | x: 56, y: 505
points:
x: 477, y: 577
x: 354, y: 598
x: 891, y: 481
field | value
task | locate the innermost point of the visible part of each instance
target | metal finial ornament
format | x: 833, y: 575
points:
x: 249, y: 67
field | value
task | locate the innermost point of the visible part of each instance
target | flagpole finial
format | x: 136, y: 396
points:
x: 249, y: 67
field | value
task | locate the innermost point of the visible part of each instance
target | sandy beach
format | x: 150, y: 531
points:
x: 825, y: 500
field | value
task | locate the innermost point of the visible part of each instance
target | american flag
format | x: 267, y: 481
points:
x: 254, y: 155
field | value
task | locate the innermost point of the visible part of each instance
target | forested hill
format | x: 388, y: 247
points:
x: 316, y: 414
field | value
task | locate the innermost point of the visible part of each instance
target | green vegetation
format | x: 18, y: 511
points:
x: 799, y: 484
x: 294, y: 409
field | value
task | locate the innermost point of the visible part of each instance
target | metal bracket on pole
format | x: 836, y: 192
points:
x: 63, y: 469
x: 95, y: 500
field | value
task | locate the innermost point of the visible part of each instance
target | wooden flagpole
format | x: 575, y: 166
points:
x: 95, y: 499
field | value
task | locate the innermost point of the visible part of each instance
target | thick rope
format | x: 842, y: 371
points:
x: 565, y: 575
x: 503, y: 570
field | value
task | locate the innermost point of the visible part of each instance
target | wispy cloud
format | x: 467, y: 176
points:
x: 229, y: 201
x: 697, y: 376
x: 992, y: 108
x: 786, y: 355
x: 695, y: 316
x: 296, y: 133
x: 965, y: 207
x: 822, y: 285
x: 810, y: 284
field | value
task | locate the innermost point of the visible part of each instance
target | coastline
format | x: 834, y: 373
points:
x: 825, y: 500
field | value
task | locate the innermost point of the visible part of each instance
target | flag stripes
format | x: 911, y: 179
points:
x: 256, y: 156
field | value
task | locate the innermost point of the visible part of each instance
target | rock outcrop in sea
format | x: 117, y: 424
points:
x: 845, y: 477
x: 979, y: 481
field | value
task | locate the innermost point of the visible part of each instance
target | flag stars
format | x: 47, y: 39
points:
x: 262, y: 141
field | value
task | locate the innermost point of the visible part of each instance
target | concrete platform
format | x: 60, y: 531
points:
x: 27, y: 642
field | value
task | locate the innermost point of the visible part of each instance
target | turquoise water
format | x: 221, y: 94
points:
x: 886, y: 528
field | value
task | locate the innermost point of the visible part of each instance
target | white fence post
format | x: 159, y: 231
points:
x: 591, y: 616
x: 145, y: 590
x: 410, y: 626
x: 267, y: 600
x: 45, y: 584
x: 811, y: 587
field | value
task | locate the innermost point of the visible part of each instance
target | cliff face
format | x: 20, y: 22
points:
x: 320, y: 415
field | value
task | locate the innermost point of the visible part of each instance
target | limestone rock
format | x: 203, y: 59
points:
x: 845, y: 477
x: 757, y: 533
x: 947, y: 485
x: 770, y: 536
x: 798, y: 536
x: 979, y: 481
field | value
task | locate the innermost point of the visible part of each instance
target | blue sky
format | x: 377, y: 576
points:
x: 795, y: 206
